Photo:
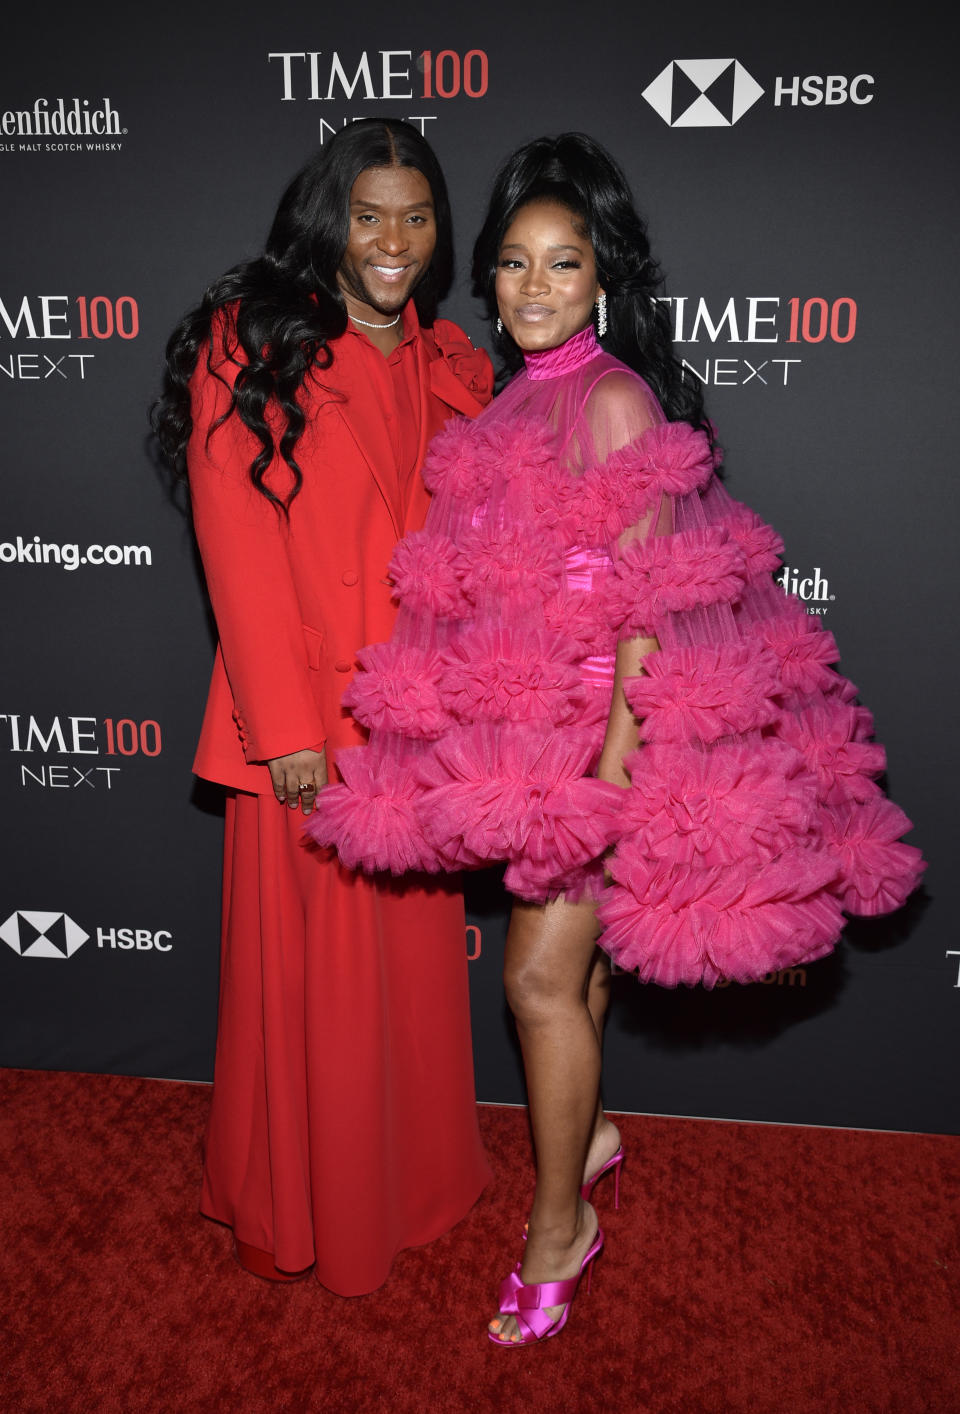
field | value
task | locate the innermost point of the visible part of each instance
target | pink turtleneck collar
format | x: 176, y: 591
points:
x: 551, y: 363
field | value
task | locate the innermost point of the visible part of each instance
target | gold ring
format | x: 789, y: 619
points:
x: 306, y: 785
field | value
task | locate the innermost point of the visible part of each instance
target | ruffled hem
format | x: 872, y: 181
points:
x: 373, y: 820
x: 688, y: 926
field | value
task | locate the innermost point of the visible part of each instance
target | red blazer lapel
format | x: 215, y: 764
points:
x: 358, y: 380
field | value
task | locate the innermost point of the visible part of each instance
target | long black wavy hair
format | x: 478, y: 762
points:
x: 579, y: 174
x: 288, y: 303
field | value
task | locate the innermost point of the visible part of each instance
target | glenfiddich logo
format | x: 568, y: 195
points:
x: 812, y: 589
x: 63, y: 117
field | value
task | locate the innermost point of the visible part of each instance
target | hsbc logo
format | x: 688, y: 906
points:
x: 715, y: 93
x: 35, y: 934
x: 702, y: 93
x: 32, y: 933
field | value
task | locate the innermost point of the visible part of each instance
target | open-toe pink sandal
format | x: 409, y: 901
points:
x: 528, y: 1303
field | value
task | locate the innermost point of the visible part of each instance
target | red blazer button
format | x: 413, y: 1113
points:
x: 343, y: 665
x: 349, y: 577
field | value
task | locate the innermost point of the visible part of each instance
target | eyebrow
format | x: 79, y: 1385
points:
x: 378, y: 205
x: 518, y: 245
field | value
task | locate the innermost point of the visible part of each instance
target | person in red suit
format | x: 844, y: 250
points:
x: 300, y: 397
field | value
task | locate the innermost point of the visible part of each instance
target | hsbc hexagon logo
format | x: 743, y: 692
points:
x: 702, y: 93
x: 34, y: 934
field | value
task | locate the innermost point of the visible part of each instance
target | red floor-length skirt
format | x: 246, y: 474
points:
x: 343, y: 1125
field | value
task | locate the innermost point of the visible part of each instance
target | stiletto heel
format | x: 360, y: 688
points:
x: 527, y: 1304
x: 615, y: 1162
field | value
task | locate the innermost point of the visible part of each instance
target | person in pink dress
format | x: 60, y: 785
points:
x: 584, y: 583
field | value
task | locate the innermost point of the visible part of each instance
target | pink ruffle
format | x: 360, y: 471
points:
x: 509, y: 563
x: 803, y: 651
x: 517, y: 449
x: 600, y: 504
x: 397, y: 691
x: 452, y: 464
x: 670, y: 458
x: 877, y: 872
x: 673, y: 574
x: 424, y: 573
x: 372, y: 818
x: 705, y: 692
x: 539, y: 885
x: 830, y: 737
x: 582, y: 618
x: 519, y: 794
x: 761, y: 545
x: 684, y: 926
x: 691, y: 807
x: 509, y: 674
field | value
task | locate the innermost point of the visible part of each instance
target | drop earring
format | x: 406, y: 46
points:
x: 499, y: 325
x: 602, y: 314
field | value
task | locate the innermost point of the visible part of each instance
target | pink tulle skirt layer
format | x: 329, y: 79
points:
x: 754, y: 820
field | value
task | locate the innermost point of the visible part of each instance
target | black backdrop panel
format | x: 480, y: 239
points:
x: 793, y: 177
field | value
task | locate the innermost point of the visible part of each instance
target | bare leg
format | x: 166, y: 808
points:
x: 549, y: 955
x: 605, y: 1139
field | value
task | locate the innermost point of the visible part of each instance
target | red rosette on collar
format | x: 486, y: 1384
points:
x: 470, y: 366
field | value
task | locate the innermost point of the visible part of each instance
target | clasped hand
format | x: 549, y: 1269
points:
x: 297, y: 778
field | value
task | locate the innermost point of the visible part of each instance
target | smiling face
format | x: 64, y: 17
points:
x: 546, y: 282
x: 391, y: 241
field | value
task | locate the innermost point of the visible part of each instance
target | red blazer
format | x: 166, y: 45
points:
x: 295, y: 601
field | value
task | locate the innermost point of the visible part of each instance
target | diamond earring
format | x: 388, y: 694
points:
x: 499, y: 326
x: 602, y: 314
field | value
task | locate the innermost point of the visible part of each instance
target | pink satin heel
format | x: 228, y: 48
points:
x: 614, y: 1163
x: 528, y: 1304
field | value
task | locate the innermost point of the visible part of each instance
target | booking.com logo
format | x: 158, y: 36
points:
x: 27, y: 551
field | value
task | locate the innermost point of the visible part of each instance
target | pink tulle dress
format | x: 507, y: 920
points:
x: 568, y: 516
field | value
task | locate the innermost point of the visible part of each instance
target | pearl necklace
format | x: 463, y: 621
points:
x: 367, y: 325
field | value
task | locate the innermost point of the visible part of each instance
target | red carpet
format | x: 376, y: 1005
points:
x: 751, y: 1268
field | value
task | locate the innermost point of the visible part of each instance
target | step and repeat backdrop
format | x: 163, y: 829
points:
x: 792, y: 170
